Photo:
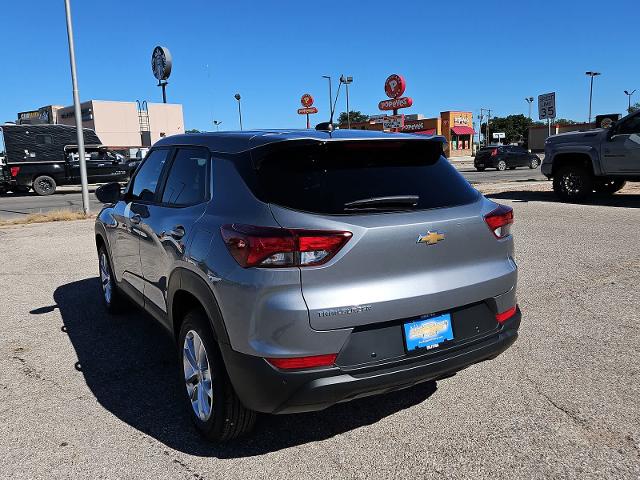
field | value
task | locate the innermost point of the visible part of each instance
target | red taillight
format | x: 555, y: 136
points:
x: 494, y: 152
x: 297, y: 363
x: 15, y: 171
x: 500, y: 220
x: 506, y: 315
x: 253, y: 246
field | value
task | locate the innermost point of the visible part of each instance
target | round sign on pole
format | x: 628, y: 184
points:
x: 161, y: 63
x: 394, y: 86
x: 306, y: 100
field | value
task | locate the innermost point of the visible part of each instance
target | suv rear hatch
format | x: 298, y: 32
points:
x: 420, y: 243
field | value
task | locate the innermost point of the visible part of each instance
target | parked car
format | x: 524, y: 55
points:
x: 502, y: 157
x: 600, y: 160
x: 296, y: 270
x: 45, y: 156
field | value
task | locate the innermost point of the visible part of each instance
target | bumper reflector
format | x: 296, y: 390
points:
x: 297, y: 363
x: 506, y: 315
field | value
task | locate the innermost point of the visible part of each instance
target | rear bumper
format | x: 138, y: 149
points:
x: 264, y: 388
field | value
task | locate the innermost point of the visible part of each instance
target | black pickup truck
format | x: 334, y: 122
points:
x: 45, y: 156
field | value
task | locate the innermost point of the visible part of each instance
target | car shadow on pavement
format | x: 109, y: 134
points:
x: 627, y: 200
x: 131, y: 366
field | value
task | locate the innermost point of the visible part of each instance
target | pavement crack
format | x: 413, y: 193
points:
x: 31, y: 372
x: 576, y: 419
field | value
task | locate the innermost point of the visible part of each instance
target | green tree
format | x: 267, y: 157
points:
x: 634, y: 108
x: 192, y: 130
x: 354, y: 115
x: 515, y: 128
x: 564, y: 121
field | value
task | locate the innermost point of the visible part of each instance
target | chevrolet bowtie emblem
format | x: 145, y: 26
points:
x: 430, y: 238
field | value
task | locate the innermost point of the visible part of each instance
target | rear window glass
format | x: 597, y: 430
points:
x: 328, y: 178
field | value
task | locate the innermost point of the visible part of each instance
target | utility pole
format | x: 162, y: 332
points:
x: 78, y: 112
x: 486, y: 135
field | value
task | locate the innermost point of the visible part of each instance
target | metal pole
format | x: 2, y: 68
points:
x: 78, y: 112
x: 330, y: 101
x: 164, y: 92
x: 348, y: 117
x: 240, y: 114
x: 590, y: 97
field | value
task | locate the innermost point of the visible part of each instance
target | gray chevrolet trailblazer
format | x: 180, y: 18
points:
x: 600, y: 160
x: 299, y: 269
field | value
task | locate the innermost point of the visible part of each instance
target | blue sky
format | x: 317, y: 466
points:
x: 458, y: 55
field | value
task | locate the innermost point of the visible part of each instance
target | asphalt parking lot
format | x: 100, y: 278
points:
x: 85, y: 395
x: 16, y: 206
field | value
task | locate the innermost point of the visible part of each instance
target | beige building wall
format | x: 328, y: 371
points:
x: 165, y: 119
x: 117, y: 123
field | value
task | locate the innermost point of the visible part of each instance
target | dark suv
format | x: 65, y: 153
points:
x: 502, y: 157
x: 300, y: 269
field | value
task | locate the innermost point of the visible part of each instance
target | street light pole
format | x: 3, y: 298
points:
x: 330, y: 99
x: 78, y: 112
x: 237, y: 97
x: 628, y: 94
x: 217, y: 123
x: 347, y: 81
x: 591, y: 74
x: 529, y: 100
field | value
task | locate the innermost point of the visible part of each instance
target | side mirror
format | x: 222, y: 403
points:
x: 109, y: 193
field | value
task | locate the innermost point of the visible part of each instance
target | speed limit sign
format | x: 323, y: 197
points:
x: 547, y: 106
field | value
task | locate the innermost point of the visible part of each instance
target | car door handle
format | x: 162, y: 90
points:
x: 177, y: 232
x: 136, y: 219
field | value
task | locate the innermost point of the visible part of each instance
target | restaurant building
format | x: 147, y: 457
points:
x: 455, y: 126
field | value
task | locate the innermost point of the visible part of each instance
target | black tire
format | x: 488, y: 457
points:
x: 501, y: 166
x: 573, y: 183
x: 44, y: 185
x: 480, y: 169
x: 115, y: 301
x: 533, y: 163
x: 609, y: 187
x: 229, y: 418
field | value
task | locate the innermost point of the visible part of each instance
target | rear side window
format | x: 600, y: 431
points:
x: 328, y: 178
x: 187, y: 182
x: 145, y: 183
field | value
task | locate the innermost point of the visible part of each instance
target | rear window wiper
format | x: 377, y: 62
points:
x: 391, y: 202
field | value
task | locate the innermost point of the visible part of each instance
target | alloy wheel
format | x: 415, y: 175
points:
x: 197, y: 375
x: 502, y: 165
x: 45, y: 186
x: 105, y: 278
x: 572, y: 183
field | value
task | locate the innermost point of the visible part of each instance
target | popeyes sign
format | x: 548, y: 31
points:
x: 394, y: 87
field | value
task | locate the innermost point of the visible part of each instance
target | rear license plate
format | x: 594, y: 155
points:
x: 428, y: 332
